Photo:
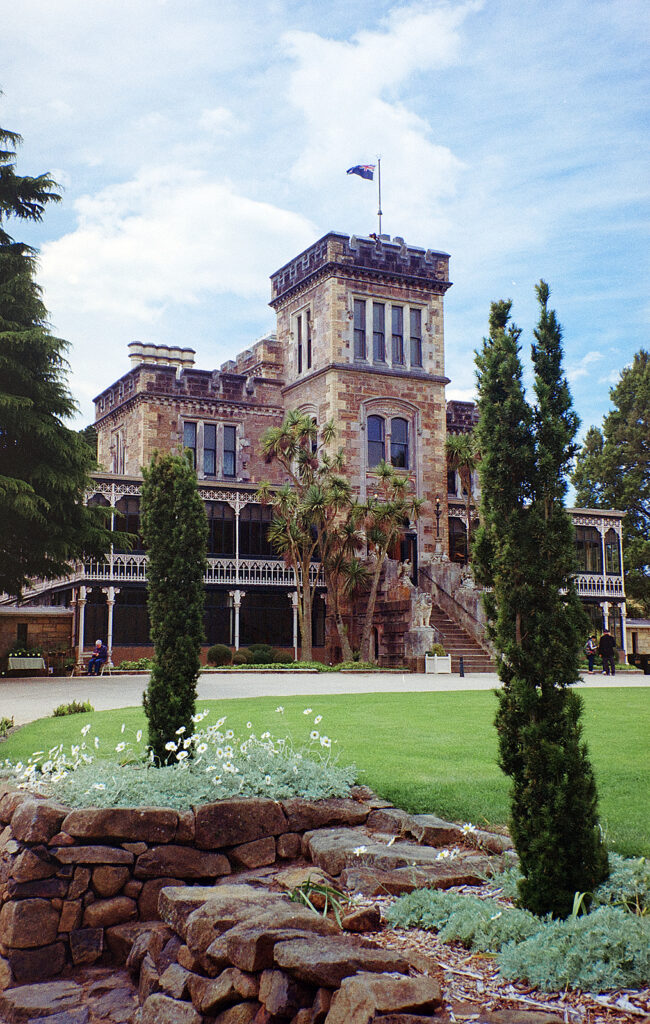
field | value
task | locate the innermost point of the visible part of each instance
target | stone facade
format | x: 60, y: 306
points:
x: 359, y: 341
x: 46, y: 629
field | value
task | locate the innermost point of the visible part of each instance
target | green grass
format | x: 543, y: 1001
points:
x: 424, y: 751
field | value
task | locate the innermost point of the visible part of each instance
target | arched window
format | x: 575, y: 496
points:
x: 399, y: 443
x: 589, y: 549
x: 612, y: 554
x: 128, y: 521
x: 457, y: 540
x: 376, y: 440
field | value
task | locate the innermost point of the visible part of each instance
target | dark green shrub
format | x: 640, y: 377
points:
x: 174, y: 529
x: 283, y: 658
x: 74, y: 708
x: 219, y: 655
x: 437, y: 649
x: 240, y: 658
x: 260, y: 654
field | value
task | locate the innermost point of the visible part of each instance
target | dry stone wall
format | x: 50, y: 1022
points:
x: 68, y: 876
x: 196, y: 905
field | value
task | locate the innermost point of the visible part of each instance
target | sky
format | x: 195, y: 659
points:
x: 201, y: 144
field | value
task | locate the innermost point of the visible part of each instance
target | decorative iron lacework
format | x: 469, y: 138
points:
x: 594, y: 585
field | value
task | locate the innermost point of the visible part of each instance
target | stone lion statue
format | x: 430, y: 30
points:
x: 421, y: 610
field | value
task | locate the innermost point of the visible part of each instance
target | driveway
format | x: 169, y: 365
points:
x: 28, y: 699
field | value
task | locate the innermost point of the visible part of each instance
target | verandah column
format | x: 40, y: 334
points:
x: 236, y: 596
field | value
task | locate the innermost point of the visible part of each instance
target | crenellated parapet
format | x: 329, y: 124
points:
x: 351, y: 256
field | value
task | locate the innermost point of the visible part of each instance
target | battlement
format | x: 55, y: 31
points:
x: 462, y: 417
x: 367, y: 256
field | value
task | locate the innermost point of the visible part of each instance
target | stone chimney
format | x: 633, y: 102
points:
x: 161, y: 355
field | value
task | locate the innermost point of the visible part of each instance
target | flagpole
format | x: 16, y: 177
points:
x: 379, y: 190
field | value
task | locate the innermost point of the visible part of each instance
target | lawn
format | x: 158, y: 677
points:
x: 424, y: 751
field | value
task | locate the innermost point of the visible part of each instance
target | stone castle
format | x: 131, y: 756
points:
x: 360, y: 341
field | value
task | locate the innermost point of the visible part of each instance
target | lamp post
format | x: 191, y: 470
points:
x: 437, y: 518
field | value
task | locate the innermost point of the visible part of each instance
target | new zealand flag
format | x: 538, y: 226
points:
x: 363, y: 170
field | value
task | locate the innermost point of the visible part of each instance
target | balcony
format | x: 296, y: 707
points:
x: 602, y: 587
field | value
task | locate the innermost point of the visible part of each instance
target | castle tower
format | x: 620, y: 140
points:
x: 361, y: 324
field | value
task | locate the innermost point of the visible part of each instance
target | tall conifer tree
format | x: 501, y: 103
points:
x: 525, y: 552
x: 44, y: 465
x: 174, y: 528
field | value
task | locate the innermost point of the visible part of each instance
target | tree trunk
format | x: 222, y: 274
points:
x: 304, y: 610
x: 370, y: 610
x: 341, y: 628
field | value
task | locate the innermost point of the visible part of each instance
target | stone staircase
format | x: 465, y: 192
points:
x: 459, y: 643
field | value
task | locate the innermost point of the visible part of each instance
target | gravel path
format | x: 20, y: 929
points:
x: 28, y: 699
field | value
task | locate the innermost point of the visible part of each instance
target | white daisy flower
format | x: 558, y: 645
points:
x: 120, y: 747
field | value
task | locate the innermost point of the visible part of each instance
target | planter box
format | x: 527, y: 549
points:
x: 437, y: 663
x: 17, y: 664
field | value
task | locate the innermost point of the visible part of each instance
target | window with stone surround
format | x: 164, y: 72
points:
x: 415, y: 319
x: 399, y: 443
x: 359, y: 328
x: 404, y: 349
x: 398, y: 335
x: 376, y: 440
x: 301, y: 331
x: 189, y: 441
x: 229, y: 451
x: 378, y: 332
x: 118, y: 451
x: 392, y: 434
x: 204, y: 440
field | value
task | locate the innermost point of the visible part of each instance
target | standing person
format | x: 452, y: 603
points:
x: 98, y: 657
x: 606, y: 649
x: 591, y: 650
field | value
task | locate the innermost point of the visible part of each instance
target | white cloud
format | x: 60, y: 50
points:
x: 348, y: 94
x: 461, y: 394
x: 158, y: 241
x: 583, y: 368
x: 217, y: 121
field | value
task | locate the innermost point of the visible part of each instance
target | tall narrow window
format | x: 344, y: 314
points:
x: 376, y: 442
x: 189, y: 440
x: 398, y: 335
x: 118, y: 452
x: 588, y: 545
x: 299, y: 341
x: 308, y: 333
x: 379, y: 332
x: 612, y: 554
x: 359, y: 329
x: 229, y: 454
x: 399, y: 443
x: 210, y: 449
x: 416, y: 337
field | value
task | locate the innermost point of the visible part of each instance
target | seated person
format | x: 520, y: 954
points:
x: 99, y: 656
